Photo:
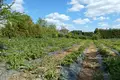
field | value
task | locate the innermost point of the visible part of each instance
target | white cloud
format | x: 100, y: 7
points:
x: 102, y: 24
x: 103, y: 18
x: 98, y: 7
x: 69, y: 27
x: 116, y: 26
x: 102, y: 7
x: 117, y: 20
x: 52, y: 21
x: 59, y: 20
x: 18, y: 6
x: 81, y: 21
x: 75, y: 6
x: 57, y: 16
x: 94, y: 18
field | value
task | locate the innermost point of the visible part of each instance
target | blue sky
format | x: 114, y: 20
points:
x: 83, y: 15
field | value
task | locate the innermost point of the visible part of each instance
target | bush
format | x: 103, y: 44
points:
x: 113, y: 67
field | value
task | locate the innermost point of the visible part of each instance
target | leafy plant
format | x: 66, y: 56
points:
x: 113, y: 67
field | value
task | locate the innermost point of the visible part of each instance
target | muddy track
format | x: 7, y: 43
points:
x: 90, y: 64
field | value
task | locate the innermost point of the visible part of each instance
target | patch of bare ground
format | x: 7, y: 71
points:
x: 90, y: 64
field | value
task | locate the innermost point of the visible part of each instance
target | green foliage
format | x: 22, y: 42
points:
x: 95, y: 37
x: 81, y: 35
x: 77, y: 32
x: 21, y: 50
x: 69, y: 59
x: 112, y: 43
x: 113, y: 67
x: 15, y: 61
x: 49, y: 64
x: 108, y: 33
x: 42, y: 22
x: 64, y: 31
x: 21, y: 25
x: 98, y: 75
x: 102, y: 49
x: 111, y: 60
x: 90, y: 34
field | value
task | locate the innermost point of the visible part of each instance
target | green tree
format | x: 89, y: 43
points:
x: 42, y: 22
x: 97, y: 34
x: 64, y: 30
x: 19, y: 24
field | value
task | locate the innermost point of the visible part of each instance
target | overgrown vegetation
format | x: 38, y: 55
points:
x: 111, y: 59
x: 71, y: 58
x: 26, y: 45
x: 20, y: 50
x: 113, y: 67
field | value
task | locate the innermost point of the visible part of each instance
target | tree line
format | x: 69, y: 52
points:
x: 15, y: 24
x: 97, y: 34
x: 107, y: 33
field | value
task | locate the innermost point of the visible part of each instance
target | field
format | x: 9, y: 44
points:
x: 59, y: 40
x: 58, y: 58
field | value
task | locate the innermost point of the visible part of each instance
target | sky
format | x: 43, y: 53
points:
x: 85, y: 15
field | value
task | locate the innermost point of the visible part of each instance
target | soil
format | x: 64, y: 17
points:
x: 90, y: 64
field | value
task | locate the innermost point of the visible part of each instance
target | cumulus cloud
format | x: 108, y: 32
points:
x: 18, y: 6
x: 81, y: 21
x: 58, y: 20
x: 102, y: 7
x: 101, y: 18
x: 75, y: 5
x: 97, y: 7
x: 104, y: 25
x: 57, y: 16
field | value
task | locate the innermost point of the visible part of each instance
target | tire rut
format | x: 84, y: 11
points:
x: 90, y: 64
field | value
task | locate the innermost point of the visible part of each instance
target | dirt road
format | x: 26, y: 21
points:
x: 90, y: 64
